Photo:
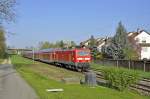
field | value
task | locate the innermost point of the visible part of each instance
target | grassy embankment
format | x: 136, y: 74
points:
x: 142, y: 74
x: 42, y: 76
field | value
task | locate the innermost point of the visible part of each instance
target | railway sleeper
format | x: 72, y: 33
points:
x: 140, y: 90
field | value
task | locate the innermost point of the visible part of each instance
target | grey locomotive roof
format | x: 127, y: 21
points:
x: 49, y: 50
x: 55, y: 49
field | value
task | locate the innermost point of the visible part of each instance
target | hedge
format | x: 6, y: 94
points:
x: 119, y: 78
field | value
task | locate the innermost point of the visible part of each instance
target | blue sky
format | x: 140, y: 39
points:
x: 77, y: 20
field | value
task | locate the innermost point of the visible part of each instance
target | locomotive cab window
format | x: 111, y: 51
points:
x: 83, y: 53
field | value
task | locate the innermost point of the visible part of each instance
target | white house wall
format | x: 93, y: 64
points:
x: 86, y: 44
x: 143, y: 36
x: 145, y: 51
x: 100, y: 46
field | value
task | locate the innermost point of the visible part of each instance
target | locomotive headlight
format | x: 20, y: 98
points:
x: 79, y: 58
x: 87, y: 58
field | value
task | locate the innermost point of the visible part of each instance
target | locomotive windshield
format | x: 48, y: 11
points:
x: 83, y: 53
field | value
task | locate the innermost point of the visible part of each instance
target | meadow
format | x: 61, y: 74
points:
x: 44, y: 76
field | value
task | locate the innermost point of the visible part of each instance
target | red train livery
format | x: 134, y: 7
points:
x: 77, y: 59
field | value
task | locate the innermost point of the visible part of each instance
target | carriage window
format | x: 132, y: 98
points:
x: 83, y: 53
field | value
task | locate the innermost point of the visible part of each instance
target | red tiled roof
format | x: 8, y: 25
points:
x: 133, y: 34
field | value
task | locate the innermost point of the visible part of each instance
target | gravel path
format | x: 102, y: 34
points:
x: 12, y: 86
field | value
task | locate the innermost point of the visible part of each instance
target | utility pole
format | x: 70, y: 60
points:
x: 33, y: 54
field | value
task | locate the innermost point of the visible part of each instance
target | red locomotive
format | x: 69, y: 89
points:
x: 77, y: 59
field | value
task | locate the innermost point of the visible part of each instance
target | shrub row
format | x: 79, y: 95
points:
x: 120, y: 78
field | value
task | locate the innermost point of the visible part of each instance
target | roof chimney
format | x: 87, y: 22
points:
x: 138, y: 30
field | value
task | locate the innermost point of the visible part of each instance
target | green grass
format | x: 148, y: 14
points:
x: 1, y: 60
x: 51, y: 72
x: 141, y: 73
x: 40, y: 82
x: 20, y: 60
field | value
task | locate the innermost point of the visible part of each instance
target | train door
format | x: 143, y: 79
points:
x: 50, y: 56
x: 70, y: 56
x: 56, y: 57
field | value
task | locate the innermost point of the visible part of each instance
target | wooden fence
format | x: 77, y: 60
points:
x: 130, y: 64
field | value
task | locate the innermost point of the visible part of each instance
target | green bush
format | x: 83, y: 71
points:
x: 4, y: 55
x: 119, y: 78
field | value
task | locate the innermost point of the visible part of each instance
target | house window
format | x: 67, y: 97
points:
x: 144, y: 49
x: 143, y: 39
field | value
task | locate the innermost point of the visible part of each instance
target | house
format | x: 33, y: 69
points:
x: 140, y: 41
x: 103, y: 41
x: 99, y: 43
x: 85, y: 43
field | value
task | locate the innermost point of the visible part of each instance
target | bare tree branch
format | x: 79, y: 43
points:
x: 7, y: 10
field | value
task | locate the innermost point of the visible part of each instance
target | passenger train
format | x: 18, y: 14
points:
x: 76, y: 59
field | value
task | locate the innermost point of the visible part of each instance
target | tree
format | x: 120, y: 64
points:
x: 7, y: 14
x: 61, y: 44
x: 45, y: 45
x: 121, y: 36
x: 95, y: 53
x: 7, y: 10
x: 57, y: 44
x: 73, y: 44
x: 120, y: 42
x: 112, y: 51
x: 2, y: 43
x: 131, y: 53
x: 92, y: 42
x: 116, y: 49
x: 67, y: 44
x: 93, y: 48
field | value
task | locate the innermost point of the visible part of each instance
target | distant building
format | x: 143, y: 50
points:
x: 17, y: 51
x: 99, y: 43
x: 141, y: 42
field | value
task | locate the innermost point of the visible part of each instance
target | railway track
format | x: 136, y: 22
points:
x: 143, y: 86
